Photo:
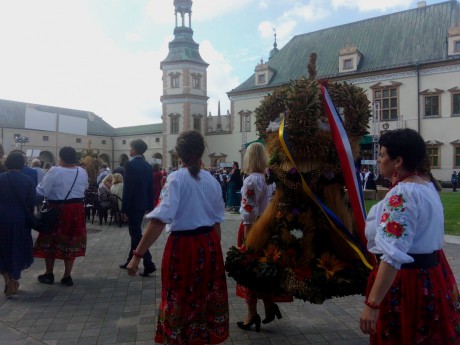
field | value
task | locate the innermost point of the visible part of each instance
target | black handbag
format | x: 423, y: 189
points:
x: 48, y: 216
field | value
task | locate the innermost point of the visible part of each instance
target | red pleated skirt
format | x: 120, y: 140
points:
x: 68, y: 240
x: 194, y: 297
x: 422, y: 307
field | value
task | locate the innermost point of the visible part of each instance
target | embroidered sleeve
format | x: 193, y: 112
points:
x: 169, y: 201
x: 249, y: 208
x: 396, y: 228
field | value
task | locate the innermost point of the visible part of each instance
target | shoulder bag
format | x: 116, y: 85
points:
x: 48, y: 216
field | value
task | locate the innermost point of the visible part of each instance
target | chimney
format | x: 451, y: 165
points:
x: 421, y: 4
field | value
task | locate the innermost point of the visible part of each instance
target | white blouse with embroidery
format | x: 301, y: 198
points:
x: 254, y: 197
x: 187, y: 203
x: 410, y: 219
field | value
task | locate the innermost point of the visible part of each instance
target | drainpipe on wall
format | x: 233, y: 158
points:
x: 113, y: 153
x: 417, y: 66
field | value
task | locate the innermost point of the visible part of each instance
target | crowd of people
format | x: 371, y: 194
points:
x: 411, y: 296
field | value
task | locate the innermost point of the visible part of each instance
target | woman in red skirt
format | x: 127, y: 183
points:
x: 64, y: 186
x: 412, y: 296
x: 254, y: 200
x: 194, y: 300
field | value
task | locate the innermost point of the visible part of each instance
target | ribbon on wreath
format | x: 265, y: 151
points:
x: 342, y: 144
x: 333, y: 220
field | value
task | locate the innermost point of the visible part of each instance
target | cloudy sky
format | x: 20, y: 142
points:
x: 104, y: 55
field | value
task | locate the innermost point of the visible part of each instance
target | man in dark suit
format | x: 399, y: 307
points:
x: 137, y: 199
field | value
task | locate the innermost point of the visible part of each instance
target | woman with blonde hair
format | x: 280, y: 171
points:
x: 117, y: 187
x: 254, y: 200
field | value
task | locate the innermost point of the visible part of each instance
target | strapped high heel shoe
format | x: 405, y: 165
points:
x: 273, y: 311
x: 254, y: 321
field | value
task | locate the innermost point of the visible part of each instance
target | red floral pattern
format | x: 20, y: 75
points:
x: 248, y: 201
x: 194, y: 307
x: 396, y: 201
x: 393, y: 220
x: 395, y: 229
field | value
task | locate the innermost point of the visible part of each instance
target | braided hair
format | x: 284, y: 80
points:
x: 190, y: 147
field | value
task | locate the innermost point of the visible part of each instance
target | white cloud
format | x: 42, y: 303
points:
x: 371, y: 5
x: 313, y: 11
x: 287, y: 23
x: 220, y: 79
x: 263, y: 4
x: 161, y: 11
x: 53, y: 58
x: 204, y: 10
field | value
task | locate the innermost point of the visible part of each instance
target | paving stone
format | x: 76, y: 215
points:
x: 108, y: 307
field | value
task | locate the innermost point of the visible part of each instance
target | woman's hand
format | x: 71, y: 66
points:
x: 133, y: 266
x: 368, y: 320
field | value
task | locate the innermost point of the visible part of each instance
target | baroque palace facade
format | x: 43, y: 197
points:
x: 407, y: 62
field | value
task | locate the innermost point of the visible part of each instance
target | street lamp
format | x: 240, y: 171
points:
x: 21, y: 140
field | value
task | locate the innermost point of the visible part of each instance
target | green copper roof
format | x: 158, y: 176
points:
x: 183, y: 47
x: 395, y: 40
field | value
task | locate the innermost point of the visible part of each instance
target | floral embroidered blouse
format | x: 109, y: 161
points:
x: 410, y: 219
x: 254, y: 197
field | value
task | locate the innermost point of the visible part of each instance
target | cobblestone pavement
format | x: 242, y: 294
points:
x: 106, y: 306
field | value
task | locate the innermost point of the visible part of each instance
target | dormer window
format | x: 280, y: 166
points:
x: 263, y: 73
x: 349, y: 59
x: 261, y: 78
x: 453, y: 40
x: 348, y: 64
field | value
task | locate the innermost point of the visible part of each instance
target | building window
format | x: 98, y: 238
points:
x: 348, y: 64
x: 174, y: 81
x: 46, y: 138
x: 123, y: 141
x: 196, y: 82
x: 157, y: 140
x: 433, y: 156
x: 78, y: 140
x: 174, y: 125
x: 245, y: 123
x: 103, y: 142
x: 457, y: 46
x: 432, y: 105
x: 457, y: 157
x: 261, y: 79
x: 197, y: 124
x: 388, y: 98
x: 456, y: 104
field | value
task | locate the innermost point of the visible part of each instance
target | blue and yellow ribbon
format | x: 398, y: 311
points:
x: 333, y: 220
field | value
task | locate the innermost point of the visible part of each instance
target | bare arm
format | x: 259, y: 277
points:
x: 385, y: 276
x: 217, y: 228
x: 151, y: 234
